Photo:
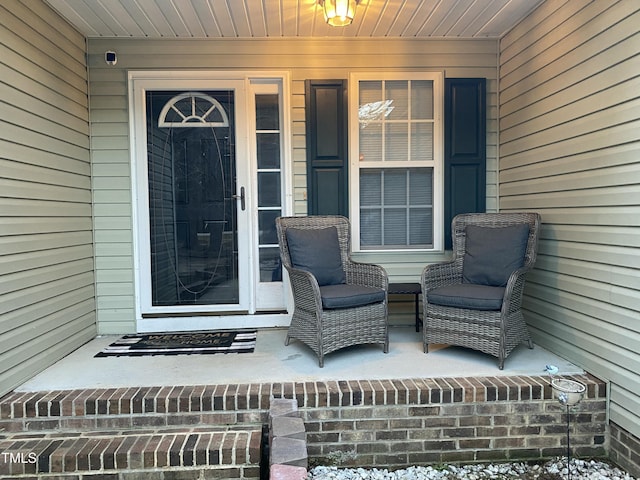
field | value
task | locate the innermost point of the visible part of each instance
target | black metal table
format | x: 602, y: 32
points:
x: 409, y: 289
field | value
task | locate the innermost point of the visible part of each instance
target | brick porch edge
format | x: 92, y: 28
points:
x: 384, y: 422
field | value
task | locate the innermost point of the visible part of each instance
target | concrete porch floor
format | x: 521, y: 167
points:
x: 272, y: 361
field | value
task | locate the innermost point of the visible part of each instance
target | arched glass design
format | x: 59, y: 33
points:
x: 193, y: 109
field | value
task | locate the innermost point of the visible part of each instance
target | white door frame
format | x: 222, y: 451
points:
x: 149, y: 318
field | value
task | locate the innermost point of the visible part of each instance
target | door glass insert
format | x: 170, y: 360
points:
x: 192, y: 209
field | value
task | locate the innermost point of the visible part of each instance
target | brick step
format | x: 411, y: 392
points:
x: 126, y: 408
x: 201, y: 452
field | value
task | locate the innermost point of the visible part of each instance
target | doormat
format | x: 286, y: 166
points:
x: 184, y: 343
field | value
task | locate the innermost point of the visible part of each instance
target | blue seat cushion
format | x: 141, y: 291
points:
x: 493, y: 254
x: 349, y: 296
x: 467, y: 295
x: 317, y: 251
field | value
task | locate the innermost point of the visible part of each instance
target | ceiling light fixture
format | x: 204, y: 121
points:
x: 338, y: 13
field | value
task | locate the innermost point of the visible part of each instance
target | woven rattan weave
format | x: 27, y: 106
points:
x: 494, y: 332
x: 323, y: 330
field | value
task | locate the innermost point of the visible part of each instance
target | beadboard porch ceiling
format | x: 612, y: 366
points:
x: 291, y: 18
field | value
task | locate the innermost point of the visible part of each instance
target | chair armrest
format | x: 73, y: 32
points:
x: 367, y: 274
x: 441, y: 274
x: 306, y: 292
x: 514, y: 290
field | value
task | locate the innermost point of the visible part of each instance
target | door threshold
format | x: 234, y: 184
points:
x: 212, y: 322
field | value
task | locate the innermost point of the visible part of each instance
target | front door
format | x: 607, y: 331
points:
x: 194, y: 234
x: 208, y: 184
x: 193, y: 199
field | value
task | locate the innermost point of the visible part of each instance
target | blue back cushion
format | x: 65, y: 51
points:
x: 492, y: 254
x: 318, y: 252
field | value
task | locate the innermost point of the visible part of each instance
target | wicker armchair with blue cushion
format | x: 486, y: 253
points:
x: 337, y: 302
x: 475, y: 300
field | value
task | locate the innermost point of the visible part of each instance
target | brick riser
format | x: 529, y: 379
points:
x: 68, y: 409
x: 132, y: 452
x: 143, y: 413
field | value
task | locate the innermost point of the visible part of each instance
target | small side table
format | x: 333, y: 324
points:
x: 409, y: 289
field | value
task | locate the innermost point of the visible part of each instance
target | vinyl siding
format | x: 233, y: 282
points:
x: 47, y: 306
x: 570, y: 149
x: 305, y: 59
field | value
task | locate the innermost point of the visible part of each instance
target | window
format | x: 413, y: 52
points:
x: 269, y: 184
x: 396, y: 161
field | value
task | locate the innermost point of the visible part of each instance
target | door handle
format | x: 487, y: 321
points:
x: 241, y: 197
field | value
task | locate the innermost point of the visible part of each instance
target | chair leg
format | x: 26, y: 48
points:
x: 321, y: 361
x: 425, y: 347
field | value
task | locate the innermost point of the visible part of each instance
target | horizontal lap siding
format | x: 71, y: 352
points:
x: 112, y: 199
x: 570, y: 149
x: 305, y: 59
x: 47, y: 306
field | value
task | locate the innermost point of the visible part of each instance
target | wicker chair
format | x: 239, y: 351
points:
x: 492, y: 322
x: 360, y: 314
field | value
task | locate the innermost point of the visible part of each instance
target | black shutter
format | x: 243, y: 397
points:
x: 465, y: 149
x: 326, y: 117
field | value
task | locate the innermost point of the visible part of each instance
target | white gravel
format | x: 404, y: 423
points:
x: 552, y: 470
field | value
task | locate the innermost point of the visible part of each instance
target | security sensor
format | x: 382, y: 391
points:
x: 110, y: 57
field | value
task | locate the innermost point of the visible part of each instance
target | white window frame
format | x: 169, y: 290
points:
x: 269, y: 295
x: 437, y: 163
